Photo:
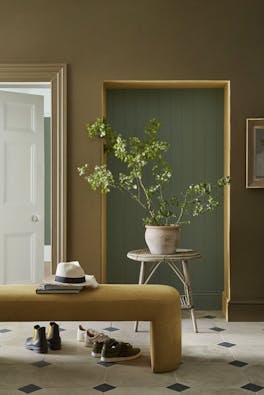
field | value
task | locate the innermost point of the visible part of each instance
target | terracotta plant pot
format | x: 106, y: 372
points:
x: 162, y: 239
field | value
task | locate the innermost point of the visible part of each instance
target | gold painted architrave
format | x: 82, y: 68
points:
x: 181, y: 84
x: 56, y: 75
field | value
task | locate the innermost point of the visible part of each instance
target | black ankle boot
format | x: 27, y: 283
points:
x: 37, y: 343
x: 53, y: 336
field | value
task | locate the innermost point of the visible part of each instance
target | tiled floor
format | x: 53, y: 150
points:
x: 223, y: 358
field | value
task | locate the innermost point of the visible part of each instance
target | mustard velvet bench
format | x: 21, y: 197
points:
x: 159, y: 304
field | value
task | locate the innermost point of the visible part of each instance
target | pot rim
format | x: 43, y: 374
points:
x: 166, y: 227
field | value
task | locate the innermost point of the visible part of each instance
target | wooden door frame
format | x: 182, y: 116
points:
x: 56, y: 75
x: 180, y: 84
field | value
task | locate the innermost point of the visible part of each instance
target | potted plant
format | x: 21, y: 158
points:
x: 164, y: 214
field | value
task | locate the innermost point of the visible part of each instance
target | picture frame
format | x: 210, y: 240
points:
x: 255, y: 153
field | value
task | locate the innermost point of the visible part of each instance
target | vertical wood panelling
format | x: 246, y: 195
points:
x: 192, y: 121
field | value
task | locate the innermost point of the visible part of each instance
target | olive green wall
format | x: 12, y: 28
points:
x: 150, y: 39
x: 192, y: 121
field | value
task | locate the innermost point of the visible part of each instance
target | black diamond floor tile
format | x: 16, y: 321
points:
x: 40, y: 364
x: 217, y: 329
x: 28, y: 389
x: 111, y: 329
x: 106, y: 364
x: 226, y: 344
x: 178, y: 387
x: 5, y: 330
x: 209, y: 316
x: 252, y: 387
x: 104, y: 387
x: 239, y: 364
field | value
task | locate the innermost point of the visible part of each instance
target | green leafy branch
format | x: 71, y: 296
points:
x: 137, y: 154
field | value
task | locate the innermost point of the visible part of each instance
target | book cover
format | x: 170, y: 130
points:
x: 57, y: 291
x: 52, y: 286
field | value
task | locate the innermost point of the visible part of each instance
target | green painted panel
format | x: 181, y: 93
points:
x: 192, y: 121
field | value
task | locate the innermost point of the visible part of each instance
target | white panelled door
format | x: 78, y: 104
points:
x: 21, y: 188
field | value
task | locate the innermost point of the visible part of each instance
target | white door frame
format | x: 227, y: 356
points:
x: 56, y: 75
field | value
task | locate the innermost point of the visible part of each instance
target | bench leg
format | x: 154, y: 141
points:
x: 165, y: 350
x: 142, y: 280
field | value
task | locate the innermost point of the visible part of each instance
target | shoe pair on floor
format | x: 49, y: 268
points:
x: 90, y: 336
x: 112, y: 350
x: 40, y: 342
x: 106, y: 348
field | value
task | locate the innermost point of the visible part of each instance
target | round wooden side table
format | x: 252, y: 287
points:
x: 182, y: 256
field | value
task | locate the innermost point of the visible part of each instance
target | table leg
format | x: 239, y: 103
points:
x: 188, y: 292
x: 142, y: 273
x: 140, y: 281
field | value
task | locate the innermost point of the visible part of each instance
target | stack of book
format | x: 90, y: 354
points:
x: 52, y: 288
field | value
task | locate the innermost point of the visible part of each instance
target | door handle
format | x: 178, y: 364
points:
x: 35, y: 218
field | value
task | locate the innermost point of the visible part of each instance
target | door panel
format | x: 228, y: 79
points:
x: 25, y: 244
x: 22, y: 188
x: 192, y: 121
x: 19, y: 165
x: 19, y: 116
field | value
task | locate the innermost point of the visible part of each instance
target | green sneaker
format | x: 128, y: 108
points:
x: 97, y: 349
x: 98, y: 344
x: 114, y: 351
